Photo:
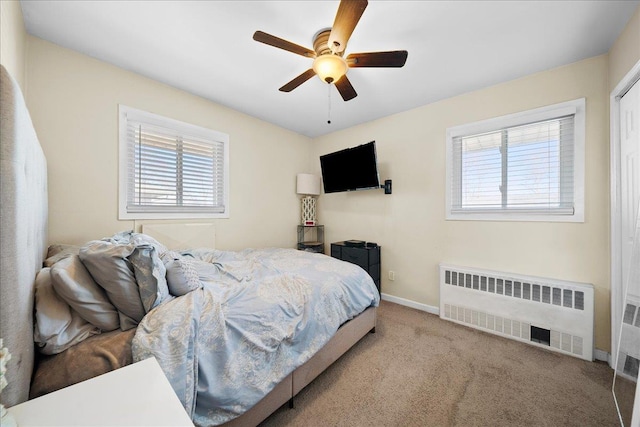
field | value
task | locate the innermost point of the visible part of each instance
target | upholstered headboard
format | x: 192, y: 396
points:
x: 23, y: 233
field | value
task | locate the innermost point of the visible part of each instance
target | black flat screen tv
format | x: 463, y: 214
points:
x: 350, y: 169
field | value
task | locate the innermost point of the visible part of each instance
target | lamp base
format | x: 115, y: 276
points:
x: 308, y: 211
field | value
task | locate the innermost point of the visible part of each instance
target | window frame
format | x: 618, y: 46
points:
x: 181, y: 127
x: 576, y: 108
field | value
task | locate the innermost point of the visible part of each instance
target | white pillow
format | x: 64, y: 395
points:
x: 57, y: 325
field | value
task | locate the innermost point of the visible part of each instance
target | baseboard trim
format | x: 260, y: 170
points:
x: 598, y: 354
x: 602, y: 356
x: 408, y: 303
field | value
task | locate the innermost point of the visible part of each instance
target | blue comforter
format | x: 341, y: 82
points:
x: 260, y: 314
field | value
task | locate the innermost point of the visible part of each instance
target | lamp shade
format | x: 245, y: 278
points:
x: 330, y: 67
x: 308, y: 184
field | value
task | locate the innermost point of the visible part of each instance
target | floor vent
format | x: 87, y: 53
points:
x: 543, y: 312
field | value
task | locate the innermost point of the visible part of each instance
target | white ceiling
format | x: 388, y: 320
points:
x: 206, y: 48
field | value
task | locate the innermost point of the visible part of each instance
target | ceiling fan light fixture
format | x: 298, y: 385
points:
x: 328, y: 50
x: 330, y: 67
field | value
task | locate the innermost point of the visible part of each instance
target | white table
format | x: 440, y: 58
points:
x: 136, y: 395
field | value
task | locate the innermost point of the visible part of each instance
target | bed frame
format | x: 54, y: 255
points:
x: 349, y: 333
x: 23, y: 246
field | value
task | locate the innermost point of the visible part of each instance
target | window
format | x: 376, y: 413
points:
x: 526, y: 166
x: 171, y: 169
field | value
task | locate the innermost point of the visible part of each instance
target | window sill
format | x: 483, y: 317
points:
x: 154, y: 215
x: 523, y: 217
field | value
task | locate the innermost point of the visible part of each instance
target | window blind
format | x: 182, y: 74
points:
x: 173, y: 171
x: 526, y: 168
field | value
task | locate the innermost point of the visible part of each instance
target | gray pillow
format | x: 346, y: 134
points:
x: 57, y: 326
x: 127, y: 266
x: 73, y: 283
x: 58, y: 252
x: 110, y: 267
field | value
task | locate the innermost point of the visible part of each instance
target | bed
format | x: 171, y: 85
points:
x: 222, y: 299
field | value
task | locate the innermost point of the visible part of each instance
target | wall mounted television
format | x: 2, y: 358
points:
x: 350, y: 169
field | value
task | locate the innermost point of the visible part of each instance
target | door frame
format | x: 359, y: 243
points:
x: 617, y: 288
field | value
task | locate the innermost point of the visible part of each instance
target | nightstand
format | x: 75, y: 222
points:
x: 367, y: 257
x: 136, y: 395
x: 311, y: 238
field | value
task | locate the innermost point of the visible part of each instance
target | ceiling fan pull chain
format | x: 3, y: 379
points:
x: 329, y: 109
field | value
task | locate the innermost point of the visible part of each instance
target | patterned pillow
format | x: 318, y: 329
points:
x: 182, y: 276
x: 150, y: 275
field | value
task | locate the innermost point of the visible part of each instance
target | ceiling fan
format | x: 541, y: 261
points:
x: 328, y: 50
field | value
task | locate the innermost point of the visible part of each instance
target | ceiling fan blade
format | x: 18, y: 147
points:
x: 274, y: 41
x: 347, y: 17
x: 298, y: 80
x: 394, y: 58
x: 346, y: 90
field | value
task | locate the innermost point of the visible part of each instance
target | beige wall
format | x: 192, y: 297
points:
x: 13, y: 40
x: 625, y: 52
x: 410, y: 224
x: 73, y: 100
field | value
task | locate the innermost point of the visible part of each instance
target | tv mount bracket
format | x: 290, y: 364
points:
x: 386, y: 186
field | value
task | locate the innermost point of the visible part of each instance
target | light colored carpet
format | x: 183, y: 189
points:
x: 418, y: 370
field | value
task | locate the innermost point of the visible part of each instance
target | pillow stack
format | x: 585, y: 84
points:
x: 58, y: 326
x: 129, y: 269
x: 105, y: 285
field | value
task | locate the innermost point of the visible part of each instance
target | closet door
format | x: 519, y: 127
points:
x: 629, y: 171
x: 626, y: 389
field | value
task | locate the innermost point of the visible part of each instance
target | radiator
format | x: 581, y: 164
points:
x: 549, y: 313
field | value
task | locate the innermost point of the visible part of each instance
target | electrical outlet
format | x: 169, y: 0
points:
x: 392, y: 275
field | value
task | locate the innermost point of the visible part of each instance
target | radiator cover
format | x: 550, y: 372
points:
x: 513, y: 305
